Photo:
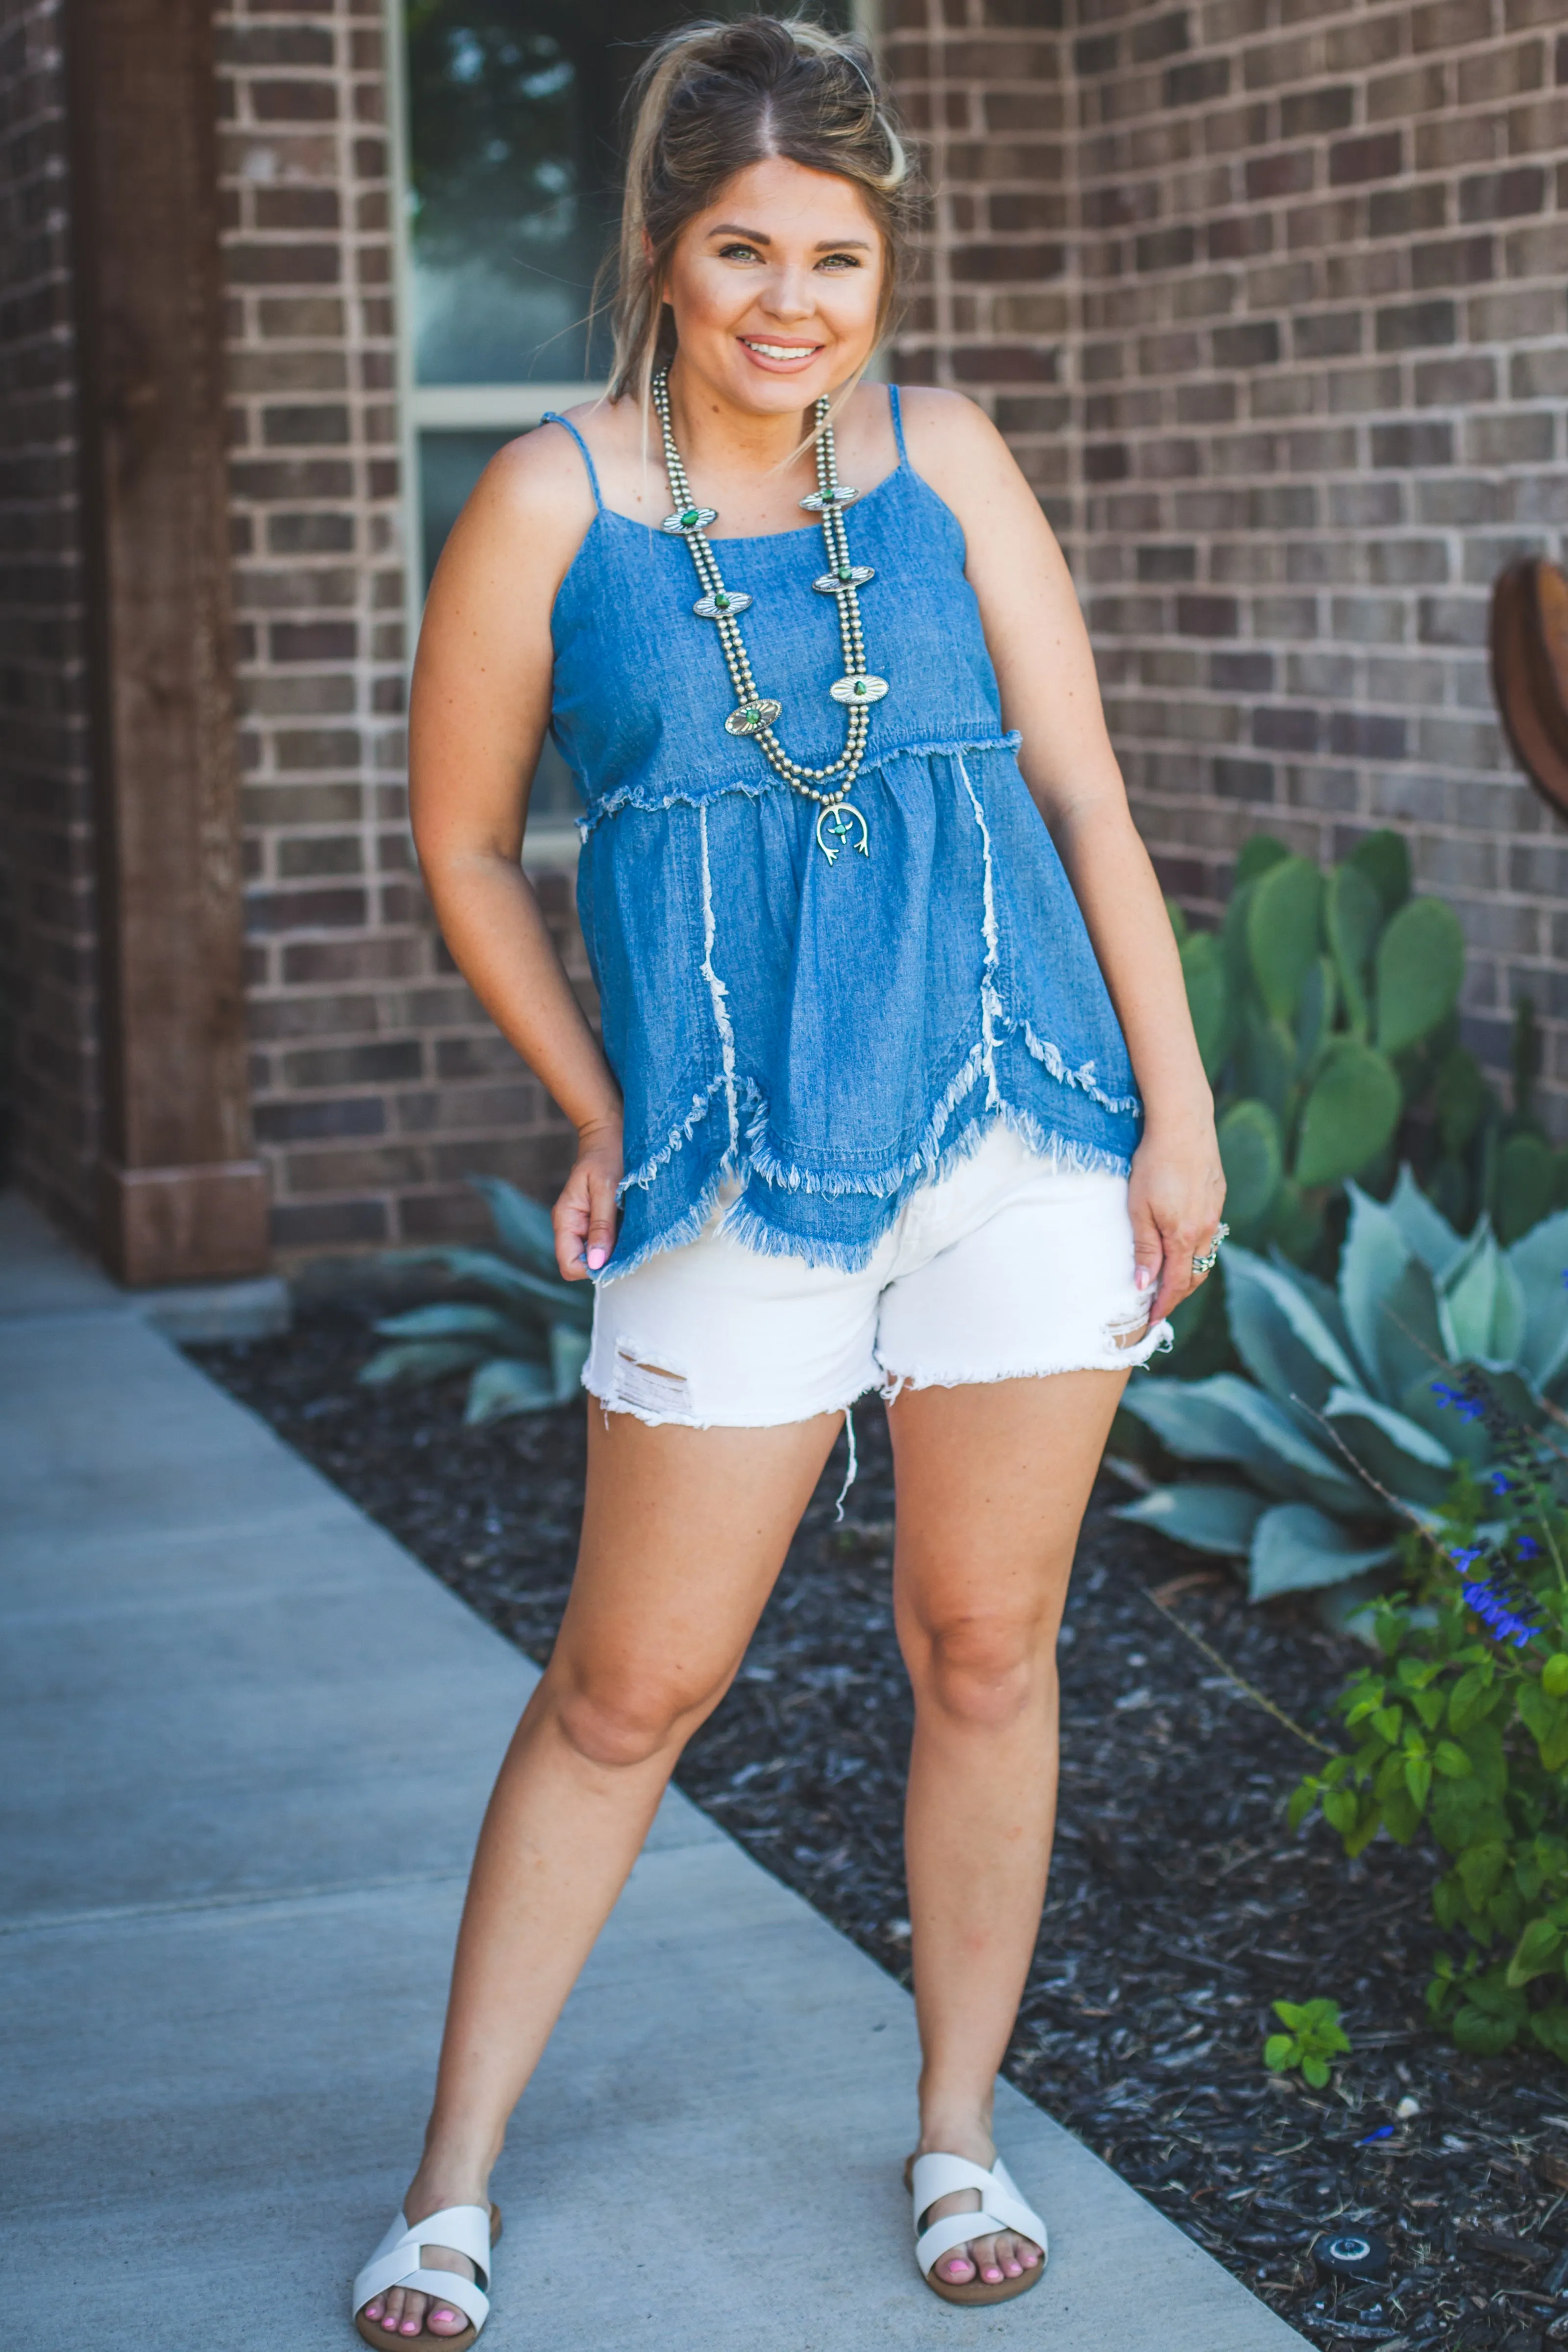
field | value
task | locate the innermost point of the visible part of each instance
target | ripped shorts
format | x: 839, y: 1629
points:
x: 1011, y: 1266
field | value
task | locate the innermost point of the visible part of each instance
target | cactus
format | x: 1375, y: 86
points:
x: 1324, y: 1010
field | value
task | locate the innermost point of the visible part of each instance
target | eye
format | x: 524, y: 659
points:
x: 840, y: 261
x: 739, y: 253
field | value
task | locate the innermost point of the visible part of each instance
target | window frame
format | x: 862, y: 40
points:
x: 459, y: 408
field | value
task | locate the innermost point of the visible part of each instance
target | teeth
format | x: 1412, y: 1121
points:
x: 781, y: 351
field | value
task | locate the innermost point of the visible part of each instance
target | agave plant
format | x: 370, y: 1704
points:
x: 1348, y: 1421
x: 523, y: 1334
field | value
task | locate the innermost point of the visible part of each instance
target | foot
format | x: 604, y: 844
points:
x: 1002, y: 2255
x: 407, y: 2311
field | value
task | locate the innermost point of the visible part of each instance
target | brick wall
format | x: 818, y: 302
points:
x: 378, y: 1083
x: 48, y: 982
x: 983, y: 86
x: 1323, y: 350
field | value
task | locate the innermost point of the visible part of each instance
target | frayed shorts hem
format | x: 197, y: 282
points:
x: 838, y: 1407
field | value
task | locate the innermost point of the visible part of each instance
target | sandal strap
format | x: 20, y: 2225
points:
x: 938, y: 2175
x: 395, y: 2263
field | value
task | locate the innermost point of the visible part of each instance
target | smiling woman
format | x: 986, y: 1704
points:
x: 896, y: 1087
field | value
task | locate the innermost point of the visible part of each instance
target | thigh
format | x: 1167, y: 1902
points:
x: 992, y: 1483
x: 684, y: 1533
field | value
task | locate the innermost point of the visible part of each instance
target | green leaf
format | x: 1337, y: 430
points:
x: 1281, y: 1333
x: 1315, y: 2070
x: 503, y: 1387
x: 1481, y: 1304
x: 453, y: 1320
x: 1486, y: 2036
x: 522, y: 1226
x: 1420, y: 967
x: 1451, y: 1759
x: 1388, y: 1722
x: 1252, y: 1154
x: 1470, y: 1697
x: 1283, y: 931
x: 1418, y: 1780
x: 1208, y: 998
x: 1350, y: 1114
x: 568, y: 1349
x: 1459, y: 1099
x: 1523, y: 1182
x: 413, y: 1362
x: 1208, y: 1518
x: 1536, y: 1951
x: 1225, y: 1419
x: 1290, y: 2012
x: 1539, y: 1261
x: 1481, y: 1869
x: 1555, y: 1675
x: 1426, y: 1232
x: 484, y: 1269
x: 1279, y: 2052
x: 1383, y: 859
x: 1256, y: 854
x: 1298, y: 1549
x: 1315, y: 1011
x: 1354, y: 915
x: 1302, y: 1799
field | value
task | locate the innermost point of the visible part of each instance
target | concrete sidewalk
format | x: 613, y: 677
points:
x: 243, y: 1751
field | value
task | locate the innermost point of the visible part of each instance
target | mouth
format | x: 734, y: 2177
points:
x: 780, y: 354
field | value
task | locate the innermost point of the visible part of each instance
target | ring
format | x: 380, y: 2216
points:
x: 1210, y: 1258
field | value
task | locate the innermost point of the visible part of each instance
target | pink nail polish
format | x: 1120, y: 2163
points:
x: 596, y: 1257
x: 1142, y: 1278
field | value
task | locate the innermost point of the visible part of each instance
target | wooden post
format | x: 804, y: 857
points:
x: 182, y: 1197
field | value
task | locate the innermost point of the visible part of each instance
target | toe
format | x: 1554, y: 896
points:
x: 956, y: 2267
x: 445, y: 2320
x: 986, y: 2259
x: 412, y: 2320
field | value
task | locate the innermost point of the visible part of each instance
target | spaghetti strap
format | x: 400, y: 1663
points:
x: 551, y: 416
x: 897, y: 416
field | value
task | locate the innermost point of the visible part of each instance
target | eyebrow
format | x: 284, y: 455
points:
x: 760, y: 236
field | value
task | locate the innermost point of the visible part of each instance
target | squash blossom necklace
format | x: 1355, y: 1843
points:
x: 838, y: 825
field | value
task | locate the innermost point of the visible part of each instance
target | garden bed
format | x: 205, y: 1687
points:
x: 1181, y: 1905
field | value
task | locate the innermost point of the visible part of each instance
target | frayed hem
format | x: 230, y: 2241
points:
x: 841, y: 1410
x: 1124, y: 1359
x: 768, y: 786
x: 1051, y: 1057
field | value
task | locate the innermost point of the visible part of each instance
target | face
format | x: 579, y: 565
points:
x: 775, y: 287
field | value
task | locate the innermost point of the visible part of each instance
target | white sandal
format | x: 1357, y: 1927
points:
x: 468, y: 2229
x: 932, y: 2176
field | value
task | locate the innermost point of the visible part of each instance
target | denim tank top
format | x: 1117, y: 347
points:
x: 831, y: 1035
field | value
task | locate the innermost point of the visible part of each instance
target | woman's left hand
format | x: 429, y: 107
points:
x: 1175, y: 1196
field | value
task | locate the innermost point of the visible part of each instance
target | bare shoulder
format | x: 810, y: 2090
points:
x: 954, y: 446
x: 528, y: 515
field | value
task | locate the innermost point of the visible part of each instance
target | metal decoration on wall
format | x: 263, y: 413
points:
x: 1530, y: 671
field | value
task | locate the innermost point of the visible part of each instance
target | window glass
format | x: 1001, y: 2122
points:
x: 514, y: 172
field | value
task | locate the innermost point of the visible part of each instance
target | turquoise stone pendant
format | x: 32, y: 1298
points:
x: 858, y: 689
x: 848, y: 575
x: 690, y: 518
x: 837, y: 828
x: 816, y: 501
x: 752, y: 716
x: 722, y: 601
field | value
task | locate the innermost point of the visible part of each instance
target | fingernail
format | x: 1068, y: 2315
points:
x: 1142, y: 1278
x: 596, y: 1257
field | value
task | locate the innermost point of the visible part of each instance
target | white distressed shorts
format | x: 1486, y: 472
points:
x: 1011, y: 1266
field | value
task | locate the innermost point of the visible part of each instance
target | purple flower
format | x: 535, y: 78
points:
x: 1493, y: 1608
x: 1500, y: 1484
x: 1526, y: 1547
x: 1466, y: 1556
x: 1467, y: 1407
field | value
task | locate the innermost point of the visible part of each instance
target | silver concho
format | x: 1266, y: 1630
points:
x: 858, y: 689
x: 830, y: 584
x: 709, y: 608
x: 679, y: 528
x: 816, y: 499
x: 752, y: 716
x: 836, y: 829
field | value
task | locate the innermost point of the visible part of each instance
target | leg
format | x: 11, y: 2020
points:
x: 992, y: 1485
x: 684, y: 1533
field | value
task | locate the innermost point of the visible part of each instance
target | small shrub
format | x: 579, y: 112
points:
x: 1460, y: 1732
x: 1313, y: 2038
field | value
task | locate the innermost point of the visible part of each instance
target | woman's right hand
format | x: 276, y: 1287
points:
x: 584, y: 1216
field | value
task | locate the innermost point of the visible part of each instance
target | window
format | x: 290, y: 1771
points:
x: 508, y: 114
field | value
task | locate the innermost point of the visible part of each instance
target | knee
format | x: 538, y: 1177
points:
x: 624, y: 1720
x: 985, y: 1668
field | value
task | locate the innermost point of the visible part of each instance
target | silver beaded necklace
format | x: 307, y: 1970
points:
x: 838, y: 825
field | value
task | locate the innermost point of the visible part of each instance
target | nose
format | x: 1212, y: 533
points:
x: 789, y: 293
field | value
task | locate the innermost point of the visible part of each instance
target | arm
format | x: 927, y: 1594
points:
x: 1049, y: 693
x: 478, y: 710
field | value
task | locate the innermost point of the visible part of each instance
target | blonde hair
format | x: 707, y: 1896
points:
x: 713, y: 99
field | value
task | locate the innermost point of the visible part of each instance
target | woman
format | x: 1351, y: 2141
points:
x: 883, y: 1101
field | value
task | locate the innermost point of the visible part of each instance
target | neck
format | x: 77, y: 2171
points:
x: 717, y: 436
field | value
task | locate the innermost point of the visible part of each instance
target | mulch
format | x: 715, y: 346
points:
x: 1180, y: 1904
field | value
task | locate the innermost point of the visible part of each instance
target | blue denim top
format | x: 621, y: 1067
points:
x: 833, y: 1036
